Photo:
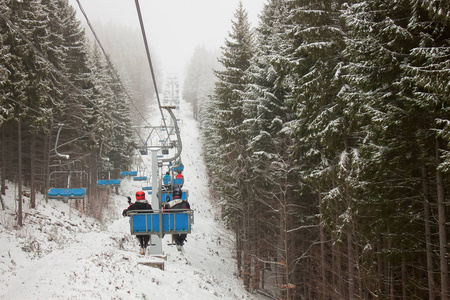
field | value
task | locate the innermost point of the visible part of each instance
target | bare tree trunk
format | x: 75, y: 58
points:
x: 3, y: 172
x: 339, y: 272
x: 246, y: 249
x: 442, y: 229
x: 380, y: 286
x: 404, y: 278
x: 286, y: 246
x: 263, y: 278
x: 351, y: 268
x: 358, y: 270
x: 429, y: 247
x: 239, y: 250
x: 33, y: 171
x: 336, y: 271
x: 3, y: 182
x: 19, y: 150
x: 324, y: 294
x: 389, y: 270
x: 258, y: 253
x: 47, y: 158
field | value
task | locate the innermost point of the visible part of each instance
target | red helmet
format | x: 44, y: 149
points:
x: 140, y: 195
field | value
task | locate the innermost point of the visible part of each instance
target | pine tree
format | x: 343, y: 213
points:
x: 267, y: 118
x: 230, y: 144
x: 322, y: 139
x: 122, y: 133
x: 428, y: 71
x: 6, y: 58
x: 394, y: 148
x: 28, y: 81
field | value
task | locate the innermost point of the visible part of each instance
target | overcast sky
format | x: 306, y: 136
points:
x: 174, y: 27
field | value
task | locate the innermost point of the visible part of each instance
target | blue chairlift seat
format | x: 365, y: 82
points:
x: 174, y: 222
x: 128, y: 173
x: 178, y: 181
x: 108, y: 182
x: 166, y: 197
x: 66, y: 194
x: 178, y: 168
x: 140, y: 178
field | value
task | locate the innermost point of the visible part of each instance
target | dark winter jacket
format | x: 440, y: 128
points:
x: 138, y: 205
x: 177, y: 204
x: 177, y: 192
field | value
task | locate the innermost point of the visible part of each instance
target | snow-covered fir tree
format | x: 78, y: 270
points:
x: 231, y: 164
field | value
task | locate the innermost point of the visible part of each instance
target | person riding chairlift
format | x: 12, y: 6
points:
x: 177, y: 204
x: 140, y: 204
x: 166, y: 180
x: 181, y: 177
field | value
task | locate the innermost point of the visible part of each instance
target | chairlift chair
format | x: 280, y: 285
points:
x: 128, y: 173
x: 108, y: 182
x: 161, y: 223
x: 66, y: 194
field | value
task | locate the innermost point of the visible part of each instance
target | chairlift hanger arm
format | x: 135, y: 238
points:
x: 177, y: 132
x: 103, y: 158
x: 65, y: 156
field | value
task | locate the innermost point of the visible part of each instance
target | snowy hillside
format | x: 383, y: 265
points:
x: 61, y: 254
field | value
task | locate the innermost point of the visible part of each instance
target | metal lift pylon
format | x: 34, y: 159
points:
x: 156, y: 240
x: 155, y: 247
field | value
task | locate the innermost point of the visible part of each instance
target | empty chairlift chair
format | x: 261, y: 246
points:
x: 65, y: 194
x: 108, y: 182
x: 128, y: 173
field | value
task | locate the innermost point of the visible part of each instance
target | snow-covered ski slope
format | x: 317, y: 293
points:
x: 61, y: 254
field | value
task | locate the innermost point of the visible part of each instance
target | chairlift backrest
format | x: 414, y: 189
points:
x: 176, y: 222
x: 109, y: 182
x: 128, y: 173
x: 66, y: 194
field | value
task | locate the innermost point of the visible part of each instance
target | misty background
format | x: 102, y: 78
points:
x: 175, y: 30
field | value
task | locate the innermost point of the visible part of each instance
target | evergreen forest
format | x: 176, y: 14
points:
x: 64, y: 107
x: 326, y: 134
x: 327, y: 142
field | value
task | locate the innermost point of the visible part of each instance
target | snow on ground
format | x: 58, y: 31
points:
x: 62, y: 254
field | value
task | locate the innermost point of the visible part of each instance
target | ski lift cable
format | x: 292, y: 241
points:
x: 44, y: 115
x: 53, y: 67
x: 141, y: 22
x: 16, y: 29
x: 109, y: 61
x: 24, y: 105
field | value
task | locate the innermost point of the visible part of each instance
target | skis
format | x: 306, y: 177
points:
x: 180, y: 248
